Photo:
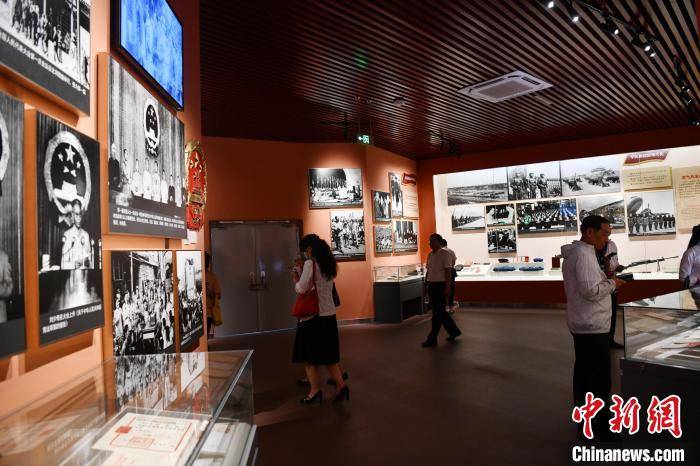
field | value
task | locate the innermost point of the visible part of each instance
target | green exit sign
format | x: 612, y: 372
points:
x: 364, y: 139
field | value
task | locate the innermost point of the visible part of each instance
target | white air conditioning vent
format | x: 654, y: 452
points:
x: 505, y: 87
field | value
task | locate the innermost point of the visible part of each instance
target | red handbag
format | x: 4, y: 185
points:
x: 306, y: 304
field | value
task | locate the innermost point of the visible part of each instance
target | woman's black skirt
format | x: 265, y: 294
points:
x: 316, y: 341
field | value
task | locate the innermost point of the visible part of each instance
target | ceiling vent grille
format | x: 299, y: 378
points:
x: 505, y: 87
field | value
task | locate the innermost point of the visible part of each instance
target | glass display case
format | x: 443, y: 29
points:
x: 664, y: 329
x: 160, y: 409
x: 397, y: 273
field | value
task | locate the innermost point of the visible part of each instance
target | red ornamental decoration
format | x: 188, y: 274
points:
x: 196, y: 184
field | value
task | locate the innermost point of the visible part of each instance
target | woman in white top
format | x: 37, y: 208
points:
x: 316, y: 341
x: 689, y: 270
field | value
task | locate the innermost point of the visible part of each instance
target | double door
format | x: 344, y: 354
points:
x: 252, y: 261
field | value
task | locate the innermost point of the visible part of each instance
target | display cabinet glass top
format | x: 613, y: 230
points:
x: 148, y: 409
x: 664, y: 329
x: 398, y: 273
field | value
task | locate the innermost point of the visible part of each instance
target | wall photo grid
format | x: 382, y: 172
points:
x: 553, y: 197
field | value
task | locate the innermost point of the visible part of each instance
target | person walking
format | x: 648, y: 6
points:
x: 451, y: 305
x: 689, y: 270
x: 316, y: 341
x: 438, y: 278
x: 588, y: 304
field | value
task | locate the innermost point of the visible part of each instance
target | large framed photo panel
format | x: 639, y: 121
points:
x: 651, y: 213
x: 11, y: 230
x: 335, y: 187
x: 477, y: 186
x: 348, y: 234
x: 534, y: 181
x: 405, y: 235
x: 467, y: 217
x: 143, y: 319
x: 591, y: 175
x: 69, y: 233
x: 189, y: 292
x: 558, y: 215
x: 147, y: 176
x: 381, y: 206
x: 48, y: 43
x: 611, y: 207
x: 500, y: 214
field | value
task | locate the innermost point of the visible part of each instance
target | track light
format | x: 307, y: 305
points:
x: 610, y: 27
x: 685, y: 97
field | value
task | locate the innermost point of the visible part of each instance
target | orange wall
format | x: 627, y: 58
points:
x: 676, y: 137
x: 264, y: 180
x: 84, y: 348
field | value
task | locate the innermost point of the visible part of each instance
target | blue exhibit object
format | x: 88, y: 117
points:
x: 531, y: 268
x: 504, y: 268
x: 151, y: 33
x: 538, y: 259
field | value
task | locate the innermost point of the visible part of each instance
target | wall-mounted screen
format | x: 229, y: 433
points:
x: 151, y: 36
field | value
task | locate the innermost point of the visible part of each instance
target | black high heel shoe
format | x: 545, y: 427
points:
x: 309, y: 401
x: 343, y: 394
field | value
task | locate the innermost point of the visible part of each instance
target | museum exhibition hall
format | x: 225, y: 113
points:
x: 231, y: 233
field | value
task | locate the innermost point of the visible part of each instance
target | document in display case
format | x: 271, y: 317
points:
x: 139, y: 410
x: 662, y: 353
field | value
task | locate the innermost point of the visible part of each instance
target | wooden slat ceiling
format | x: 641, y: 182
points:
x: 276, y: 70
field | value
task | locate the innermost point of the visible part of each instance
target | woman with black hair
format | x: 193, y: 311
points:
x: 689, y: 270
x: 316, y: 341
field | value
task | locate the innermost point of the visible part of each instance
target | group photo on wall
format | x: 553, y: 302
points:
x: 348, y: 234
x: 335, y: 187
x: 381, y: 206
x: 189, y: 292
x: 405, y: 235
x: 502, y: 240
x: 467, y: 217
x: 611, y: 207
x: 591, y: 175
x: 547, y: 216
x: 651, y: 213
x: 382, y: 239
x: 147, y: 178
x: 11, y: 230
x: 48, y: 42
x: 143, y: 316
x: 534, y: 181
x: 70, y: 232
x: 477, y: 186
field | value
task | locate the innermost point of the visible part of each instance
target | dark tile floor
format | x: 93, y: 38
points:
x: 500, y: 395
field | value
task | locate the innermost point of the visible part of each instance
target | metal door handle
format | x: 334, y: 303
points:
x: 263, y: 280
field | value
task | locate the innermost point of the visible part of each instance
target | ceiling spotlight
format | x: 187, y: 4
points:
x: 550, y: 4
x: 610, y: 27
x: 575, y: 17
x: 685, y: 97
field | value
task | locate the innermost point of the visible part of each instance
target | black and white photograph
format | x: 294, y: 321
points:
x: 11, y: 272
x: 146, y: 381
x: 467, y: 217
x: 382, y: 239
x: 147, y: 176
x: 611, y: 207
x: 143, y: 316
x: 192, y: 365
x: 335, y: 187
x: 557, y: 215
x: 651, y: 213
x: 405, y: 235
x: 592, y: 175
x: 396, y: 195
x: 48, y: 42
x: 477, y: 186
x: 500, y: 214
x: 348, y: 234
x: 381, y: 206
x: 501, y: 240
x: 69, y: 233
x: 534, y: 181
x: 189, y: 292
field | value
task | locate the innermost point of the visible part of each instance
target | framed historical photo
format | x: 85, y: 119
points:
x: 500, y: 214
x: 534, y: 181
x: 477, y: 186
x: 143, y: 315
x: 591, y: 175
x: 502, y: 240
x: 69, y: 233
x: 396, y: 195
x: 12, y: 330
x: 335, y: 187
x: 651, y: 213
x: 383, y: 243
x: 610, y: 206
x: 146, y: 167
x: 47, y: 42
x: 557, y: 215
x: 381, y: 206
x: 405, y: 235
x: 348, y: 234
x: 467, y: 217
x: 189, y: 293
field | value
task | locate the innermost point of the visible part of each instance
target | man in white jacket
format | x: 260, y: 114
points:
x: 588, y: 304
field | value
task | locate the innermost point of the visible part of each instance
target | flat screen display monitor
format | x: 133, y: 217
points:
x: 149, y: 35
